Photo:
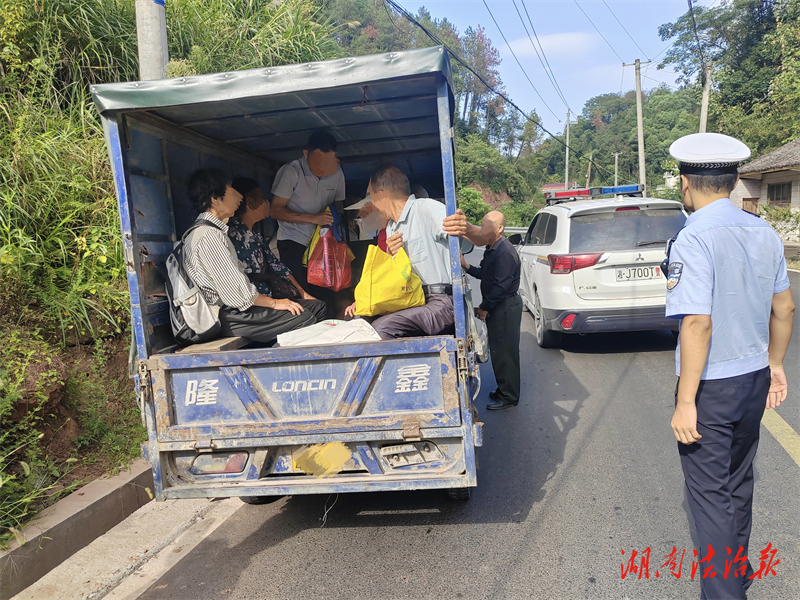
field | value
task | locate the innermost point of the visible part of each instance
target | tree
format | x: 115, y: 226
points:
x: 471, y: 202
x: 753, y: 46
x: 478, y: 162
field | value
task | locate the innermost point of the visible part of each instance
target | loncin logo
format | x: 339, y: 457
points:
x: 309, y: 385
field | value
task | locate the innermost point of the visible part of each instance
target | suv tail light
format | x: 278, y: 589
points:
x: 567, y: 263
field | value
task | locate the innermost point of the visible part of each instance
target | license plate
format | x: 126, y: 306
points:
x: 638, y: 273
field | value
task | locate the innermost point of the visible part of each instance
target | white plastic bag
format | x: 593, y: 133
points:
x: 331, y: 331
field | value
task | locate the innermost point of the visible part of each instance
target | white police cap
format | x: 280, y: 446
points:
x: 708, y: 151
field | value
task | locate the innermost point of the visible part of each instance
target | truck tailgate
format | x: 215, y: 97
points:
x: 296, y: 391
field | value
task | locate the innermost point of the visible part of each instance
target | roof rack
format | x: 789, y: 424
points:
x: 557, y: 197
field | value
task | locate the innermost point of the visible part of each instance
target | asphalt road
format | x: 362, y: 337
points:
x: 584, y: 468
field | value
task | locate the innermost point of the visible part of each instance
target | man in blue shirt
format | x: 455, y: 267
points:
x: 421, y: 227
x: 727, y: 282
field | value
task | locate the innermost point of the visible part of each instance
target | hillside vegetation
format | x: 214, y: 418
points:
x: 67, y: 410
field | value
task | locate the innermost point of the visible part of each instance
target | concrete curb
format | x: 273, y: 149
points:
x: 71, y: 524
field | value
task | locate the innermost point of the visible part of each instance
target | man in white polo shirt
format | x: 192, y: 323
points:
x: 302, y: 190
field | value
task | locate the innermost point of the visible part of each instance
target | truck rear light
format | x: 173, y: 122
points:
x: 567, y: 321
x: 219, y: 462
x: 567, y: 263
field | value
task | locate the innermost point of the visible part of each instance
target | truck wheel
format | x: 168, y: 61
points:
x: 259, y: 499
x: 546, y: 338
x: 461, y: 494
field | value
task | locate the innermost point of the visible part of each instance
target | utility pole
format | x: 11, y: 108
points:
x: 589, y: 170
x: 616, y: 169
x: 706, y: 92
x: 639, y: 122
x: 151, y: 34
x: 566, y: 162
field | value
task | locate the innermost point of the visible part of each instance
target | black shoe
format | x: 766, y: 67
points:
x: 495, y: 395
x: 499, y: 405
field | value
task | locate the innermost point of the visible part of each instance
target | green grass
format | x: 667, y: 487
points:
x: 62, y: 273
x: 106, y: 411
x: 31, y: 369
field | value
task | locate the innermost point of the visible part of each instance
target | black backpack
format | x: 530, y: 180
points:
x: 193, y: 320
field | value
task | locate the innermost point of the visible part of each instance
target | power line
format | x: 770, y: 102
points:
x: 709, y: 7
x: 694, y: 27
x: 664, y: 82
x: 598, y: 31
x: 551, y: 74
x: 469, y: 68
x: 516, y: 59
x: 541, y: 180
x: 626, y: 31
x: 662, y: 52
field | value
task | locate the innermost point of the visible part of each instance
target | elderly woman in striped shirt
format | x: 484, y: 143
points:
x: 211, y: 261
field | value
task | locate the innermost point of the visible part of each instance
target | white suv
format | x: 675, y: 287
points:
x: 593, y: 264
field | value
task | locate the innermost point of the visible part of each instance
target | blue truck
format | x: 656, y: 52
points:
x: 226, y: 420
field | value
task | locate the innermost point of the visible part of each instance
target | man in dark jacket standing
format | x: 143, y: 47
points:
x: 501, y: 307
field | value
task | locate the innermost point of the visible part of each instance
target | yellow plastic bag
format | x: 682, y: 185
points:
x: 387, y: 284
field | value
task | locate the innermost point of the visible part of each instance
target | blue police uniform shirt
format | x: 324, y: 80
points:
x: 727, y: 263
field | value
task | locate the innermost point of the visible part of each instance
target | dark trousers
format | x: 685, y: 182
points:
x: 291, y: 254
x: 503, y: 327
x: 434, y: 317
x: 718, y: 470
x: 263, y: 325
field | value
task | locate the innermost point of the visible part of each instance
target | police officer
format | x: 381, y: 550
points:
x: 727, y: 282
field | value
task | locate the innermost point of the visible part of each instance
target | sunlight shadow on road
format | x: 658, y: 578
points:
x: 622, y: 342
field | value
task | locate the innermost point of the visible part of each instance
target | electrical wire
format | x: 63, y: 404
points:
x: 327, y: 510
x: 662, y: 52
x: 548, y: 69
x: 598, y: 31
x: 409, y: 17
x: 541, y: 180
x: 626, y: 31
x: 696, y: 37
x: 674, y: 87
x: 516, y: 59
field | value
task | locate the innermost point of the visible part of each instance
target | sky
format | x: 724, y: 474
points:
x: 583, y: 63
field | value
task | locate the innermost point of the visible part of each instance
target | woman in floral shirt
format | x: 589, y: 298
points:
x: 270, y: 276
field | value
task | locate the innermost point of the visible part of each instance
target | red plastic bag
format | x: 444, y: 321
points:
x: 329, y: 263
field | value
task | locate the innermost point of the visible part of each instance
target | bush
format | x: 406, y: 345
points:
x: 519, y: 214
x: 477, y: 161
x: 784, y: 219
x: 32, y: 377
x: 61, y: 259
x: 60, y: 248
x: 471, y: 202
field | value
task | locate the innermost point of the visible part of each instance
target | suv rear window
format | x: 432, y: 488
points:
x: 610, y: 231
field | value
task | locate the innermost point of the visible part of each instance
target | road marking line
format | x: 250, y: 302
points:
x: 783, y: 432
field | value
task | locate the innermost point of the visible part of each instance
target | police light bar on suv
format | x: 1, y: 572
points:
x: 553, y: 197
